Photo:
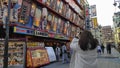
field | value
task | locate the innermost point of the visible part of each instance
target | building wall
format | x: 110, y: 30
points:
x: 116, y: 22
x: 107, y: 33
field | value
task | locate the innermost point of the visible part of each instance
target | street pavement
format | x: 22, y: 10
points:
x: 104, y: 61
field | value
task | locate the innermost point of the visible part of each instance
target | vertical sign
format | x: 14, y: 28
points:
x: 93, y: 11
x: 95, y: 23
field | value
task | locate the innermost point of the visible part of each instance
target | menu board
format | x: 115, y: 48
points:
x: 15, y: 53
x: 25, y: 11
x: 37, y: 56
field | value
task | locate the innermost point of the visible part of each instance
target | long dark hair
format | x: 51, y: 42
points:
x: 86, y: 41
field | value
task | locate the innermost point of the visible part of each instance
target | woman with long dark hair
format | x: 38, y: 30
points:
x: 85, y: 51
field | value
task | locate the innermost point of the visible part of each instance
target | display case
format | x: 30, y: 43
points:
x: 36, y: 55
x: 16, y: 54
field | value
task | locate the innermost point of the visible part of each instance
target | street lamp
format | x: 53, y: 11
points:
x: 115, y: 3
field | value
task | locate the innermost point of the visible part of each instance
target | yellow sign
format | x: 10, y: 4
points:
x: 94, y: 22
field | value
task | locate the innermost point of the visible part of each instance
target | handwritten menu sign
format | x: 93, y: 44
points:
x: 25, y: 11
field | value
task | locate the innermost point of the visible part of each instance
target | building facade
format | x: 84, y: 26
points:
x: 116, y: 22
x: 107, y: 34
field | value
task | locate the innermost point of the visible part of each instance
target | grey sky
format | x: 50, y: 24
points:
x: 105, y: 11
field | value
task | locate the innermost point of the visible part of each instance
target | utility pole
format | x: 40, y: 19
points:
x: 5, y: 64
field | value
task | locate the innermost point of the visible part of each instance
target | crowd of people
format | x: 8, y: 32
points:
x: 101, y: 48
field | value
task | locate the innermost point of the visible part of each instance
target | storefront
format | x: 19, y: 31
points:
x: 35, y: 25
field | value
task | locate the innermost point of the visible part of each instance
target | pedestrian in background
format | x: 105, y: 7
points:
x: 102, y: 47
x: 108, y: 48
x: 99, y: 50
x: 64, y: 54
x: 57, y: 52
x: 85, y: 51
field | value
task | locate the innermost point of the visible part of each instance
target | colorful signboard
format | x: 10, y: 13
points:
x: 39, y: 33
x: 23, y: 31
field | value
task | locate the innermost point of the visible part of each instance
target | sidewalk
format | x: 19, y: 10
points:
x: 114, y: 54
x: 104, y: 61
x: 109, y: 61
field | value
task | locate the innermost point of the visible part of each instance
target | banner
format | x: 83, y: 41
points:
x: 93, y: 11
x: 94, y: 22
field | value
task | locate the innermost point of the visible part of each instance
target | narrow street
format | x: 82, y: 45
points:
x: 104, y: 61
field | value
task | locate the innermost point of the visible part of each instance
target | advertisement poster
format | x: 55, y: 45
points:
x: 48, y: 2
x: 55, y: 24
x: 53, y: 4
x: 59, y: 25
x: 49, y: 18
x: 39, y: 56
x: 65, y: 28
x: 1, y: 14
x: 15, y: 10
x: 68, y: 28
x: 25, y: 12
x: 43, y: 23
x: 58, y: 5
x: 37, y: 17
x: 62, y: 26
x: 93, y: 11
x: 94, y: 22
x: 64, y: 9
x: 72, y: 33
x: 51, y: 54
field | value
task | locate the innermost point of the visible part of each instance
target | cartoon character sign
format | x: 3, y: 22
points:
x: 16, y: 9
